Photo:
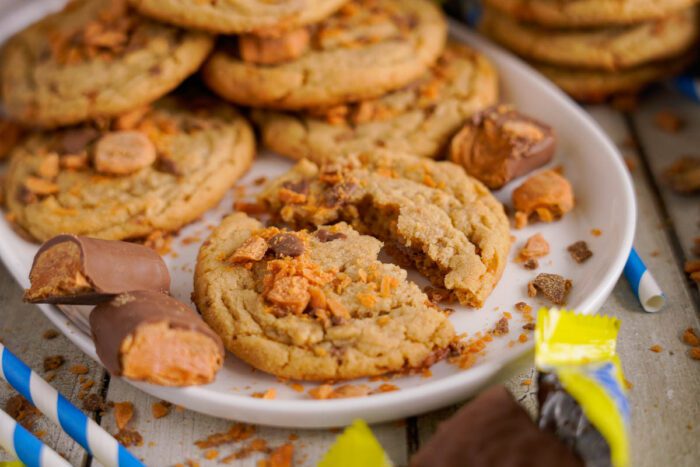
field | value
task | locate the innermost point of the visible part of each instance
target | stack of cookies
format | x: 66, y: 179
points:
x: 595, y: 49
x: 116, y: 146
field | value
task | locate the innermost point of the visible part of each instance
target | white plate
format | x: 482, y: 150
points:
x: 604, y: 200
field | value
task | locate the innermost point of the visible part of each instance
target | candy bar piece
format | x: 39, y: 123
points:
x: 500, y: 144
x: 79, y: 270
x: 149, y: 336
x: 546, y: 196
x: 493, y: 431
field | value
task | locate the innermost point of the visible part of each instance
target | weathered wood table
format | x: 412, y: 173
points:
x: 665, y: 397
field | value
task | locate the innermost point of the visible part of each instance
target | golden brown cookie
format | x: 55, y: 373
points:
x: 171, y: 163
x: 314, y: 305
x: 366, y: 49
x: 418, y: 119
x: 96, y: 58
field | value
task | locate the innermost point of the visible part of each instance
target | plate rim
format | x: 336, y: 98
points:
x: 397, y: 404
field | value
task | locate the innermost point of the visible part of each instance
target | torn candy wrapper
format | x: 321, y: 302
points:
x: 356, y: 447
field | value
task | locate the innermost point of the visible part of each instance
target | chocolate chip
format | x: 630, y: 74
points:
x: 169, y: 166
x: 76, y: 140
x: 324, y: 235
x: 553, y: 286
x: 579, y: 251
x: 301, y: 186
x: 337, y: 195
x: 286, y: 244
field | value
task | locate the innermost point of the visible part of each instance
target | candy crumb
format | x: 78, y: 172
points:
x: 656, y: 348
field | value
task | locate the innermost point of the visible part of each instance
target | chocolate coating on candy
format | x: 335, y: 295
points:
x: 104, y: 268
x: 500, y: 144
x: 493, y: 430
x: 113, y: 322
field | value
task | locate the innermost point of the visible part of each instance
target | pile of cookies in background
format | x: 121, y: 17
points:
x: 595, y: 49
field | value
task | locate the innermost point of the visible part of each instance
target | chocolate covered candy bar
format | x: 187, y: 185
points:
x: 70, y: 269
x: 500, y: 144
x: 149, y: 336
x: 493, y: 430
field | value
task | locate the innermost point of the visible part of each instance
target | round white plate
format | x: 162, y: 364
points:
x: 604, y: 201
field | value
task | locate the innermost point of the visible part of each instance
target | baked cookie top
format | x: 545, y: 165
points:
x: 96, y: 58
x: 314, y: 306
x: 610, y: 48
x: 589, y: 13
x: 155, y: 169
x: 366, y: 49
x: 237, y: 16
x: 418, y: 119
x: 430, y: 215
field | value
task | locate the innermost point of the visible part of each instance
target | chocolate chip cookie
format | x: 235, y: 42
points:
x: 431, y: 215
x: 366, y: 49
x: 155, y: 169
x: 314, y: 305
x: 96, y: 58
x: 237, y: 16
x: 420, y: 118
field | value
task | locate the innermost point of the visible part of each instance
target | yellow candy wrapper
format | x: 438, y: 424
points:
x: 356, y: 447
x: 582, y: 393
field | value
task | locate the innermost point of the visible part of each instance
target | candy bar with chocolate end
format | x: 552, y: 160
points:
x: 70, y: 269
x: 149, y: 336
x: 493, y: 430
x: 499, y: 144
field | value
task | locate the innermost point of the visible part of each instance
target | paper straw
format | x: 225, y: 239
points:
x: 82, y: 429
x: 643, y: 284
x: 688, y: 85
x: 23, y: 445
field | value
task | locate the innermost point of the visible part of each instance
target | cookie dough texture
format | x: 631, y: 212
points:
x: 237, y: 16
x: 202, y: 152
x: 368, y: 48
x: 417, y: 119
x: 384, y: 332
x: 589, y: 13
x: 594, y: 86
x: 611, y: 48
x: 429, y: 214
x: 96, y: 58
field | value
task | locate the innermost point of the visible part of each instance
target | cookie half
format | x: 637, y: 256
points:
x: 589, y: 13
x: 366, y: 49
x: 594, y: 86
x: 155, y: 170
x: 418, y: 119
x: 96, y: 58
x: 430, y: 215
x: 314, y: 306
x: 612, y: 48
x: 237, y: 16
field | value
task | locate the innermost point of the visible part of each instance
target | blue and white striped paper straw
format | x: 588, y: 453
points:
x: 643, y: 284
x: 82, y: 429
x: 688, y: 85
x: 20, y: 443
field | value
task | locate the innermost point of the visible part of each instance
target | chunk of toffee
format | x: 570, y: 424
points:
x: 286, y: 244
x: 535, y: 247
x: 149, y: 336
x: 546, y: 195
x: 499, y: 144
x: 78, y: 270
x: 493, y: 430
x: 325, y: 235
x: 123, y: 153
x: 683, y: 175
x: 579, y: 251
x: 553, y: 286
x: 253, y: 249
x: 273, y: 47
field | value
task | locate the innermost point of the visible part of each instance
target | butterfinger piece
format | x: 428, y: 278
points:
x: 149, y: 336
x: 547, y: 195
x: 268, y: 50
x: 493, y: 431
x: 78, y: 270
